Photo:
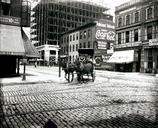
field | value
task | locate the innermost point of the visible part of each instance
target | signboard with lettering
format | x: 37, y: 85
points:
x: 105, y: 34
x: 153, y: 42
x: 10, y: 20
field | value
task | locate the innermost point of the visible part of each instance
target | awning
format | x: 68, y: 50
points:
x: 11, y: 42
x: 122, y: 57
x: 30, y: 50
x: 6, y: 1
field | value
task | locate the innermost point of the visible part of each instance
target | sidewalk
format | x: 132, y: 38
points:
x: 31, y: 77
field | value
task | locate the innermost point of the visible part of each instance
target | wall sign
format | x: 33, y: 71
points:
x: 105, y: 35
x: 10, y: 20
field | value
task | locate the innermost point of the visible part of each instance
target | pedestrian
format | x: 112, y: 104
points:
x: 35, y: 64
x: 50, y: 124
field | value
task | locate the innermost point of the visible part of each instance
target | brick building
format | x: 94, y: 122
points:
x: 54, y: 17
x: 98, y: 36
x: 136, y: 36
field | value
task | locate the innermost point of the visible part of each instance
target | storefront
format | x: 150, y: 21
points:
x: 14, y: 45
x: 124, y: 60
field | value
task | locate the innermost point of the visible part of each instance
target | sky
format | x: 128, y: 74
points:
x: 109, y: 3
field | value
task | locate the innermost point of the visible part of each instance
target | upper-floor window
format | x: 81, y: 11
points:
x: 80, y: 35
x: 67, y: 38
x: 89, y: 33
x: 80, y: 45
x: 149, y: 32
x: 76, y: 47
x: 89, y: 44
x: 136, y: 17
x: 73, y: 37
x: 70, y: 37
x: 149, y: 13
x: 5, y: 7
x: 127, y: 36
x: 85, y: 33
x: 76, y: 36
x: 120, y: 22
x: 70, y: 48
x: 136, y: 35
x: 73, y: 47
x: 127, y: 19
x: 119, y: 38
x: 84, y: 45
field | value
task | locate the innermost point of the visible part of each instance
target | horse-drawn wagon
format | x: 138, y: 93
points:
x: 85, y: 64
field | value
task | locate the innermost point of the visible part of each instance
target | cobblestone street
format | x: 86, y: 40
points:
x: 112, y: 101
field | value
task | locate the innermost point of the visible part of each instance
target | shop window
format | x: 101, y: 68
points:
x: 119, y: 38
x: 127, y: 19
x: 149, y: 32
x: 5, y: 8
x: 127, y: 36
x: 136, y: 35
x: 136, y: 17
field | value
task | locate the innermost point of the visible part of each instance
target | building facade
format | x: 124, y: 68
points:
x: 14, y: 44
x: 51, y: 18
x: 136, y: 29
x: 98, y: 36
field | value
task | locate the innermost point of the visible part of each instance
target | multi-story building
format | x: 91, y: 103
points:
x: 98, y: 36
x: 54, y: 17
x: 14, y: 44
x: 136, y: 36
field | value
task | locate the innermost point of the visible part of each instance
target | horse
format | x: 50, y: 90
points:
x: 84, y: 68
x: 69, y: 70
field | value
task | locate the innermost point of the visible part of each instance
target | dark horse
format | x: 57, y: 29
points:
x: 69, y: 71
x: 84, y: 68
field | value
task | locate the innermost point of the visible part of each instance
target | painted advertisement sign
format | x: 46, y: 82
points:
x: 10, y: 20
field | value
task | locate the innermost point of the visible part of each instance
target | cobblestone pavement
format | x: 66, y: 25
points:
x: 110, y: 102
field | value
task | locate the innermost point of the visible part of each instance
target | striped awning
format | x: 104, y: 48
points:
x: 11, y: 42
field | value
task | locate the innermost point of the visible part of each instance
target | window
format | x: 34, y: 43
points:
x: 76, y: 36
x: 89, y: 31
x: 5, y: 8
x: 52, y: 52
x: 73, y: 47
x: 73, y: 37
x: 136, y: 17
x: 89, y: 44
x: 149, y: 13
x: 84, y: 45
x: 127, y: 19
x: 76, y: 47
x: 85, y: 33
x: 70, y: 48
x: 120, y: 22
x: 136, y: 35
x: 70, y: 37
x: 80, y: 35
x: 80, y: 45
x: 149, y: 32
x: 67, y: 38
x: 127, y: 36
x: 119, y: 38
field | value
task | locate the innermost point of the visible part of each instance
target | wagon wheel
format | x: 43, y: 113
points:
x: 70, y: 77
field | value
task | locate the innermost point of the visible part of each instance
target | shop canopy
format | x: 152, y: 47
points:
x: 122, y: 57
x: 13, y: 41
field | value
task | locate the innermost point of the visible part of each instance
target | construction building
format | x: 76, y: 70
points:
x: 51, y: 18
x: 136, y: 36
